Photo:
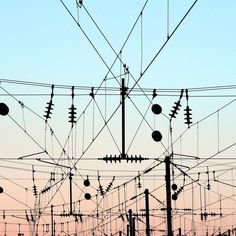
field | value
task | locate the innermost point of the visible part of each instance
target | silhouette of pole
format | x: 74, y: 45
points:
x: 168, y: 197
x: 54, y: 228
x: 180, y: 233
x: 120, y: 233
x: 133, y: 226
x: 52, y: 222
x: 5, y: 229
x: 146, y: 192
x: 123, y: 93
x: 130, y: 223
x: 70, y: 178
x: 128, y: 230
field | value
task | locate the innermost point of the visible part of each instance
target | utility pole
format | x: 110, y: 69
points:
x: 52, y: 221
x: 133, y: 224
x: 70, y: 178
x: 146, y: 192
x: 128, y: 226
x: 180, y: 233
x: 130, y: 223
x: 5, y: 229
x: 54, y: 228
x: 168, y: 196
x: 123, y: 94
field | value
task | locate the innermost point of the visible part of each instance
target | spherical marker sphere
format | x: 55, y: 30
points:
x: 1, y: 189
x: 156, y: 135
x: 87, y: 196
x: 174, y: 197
x: 174, y: 187
x: 156, y: 109
x: 4, y: 110
x: 86, y: 182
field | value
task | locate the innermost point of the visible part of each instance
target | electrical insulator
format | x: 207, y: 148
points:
x: 108, y: 188
x: 201, y: 216
x: 49, y: 108
x: 32, y: 217
x: 80, y: 217
x: 35, y: 190
x: 101, y: 190
x: 188, y: 115
x: 72, y: 114
x: 126, y: 69
x: 27, y: 217
x: 177, y: 106
x: 92, y: 92
x: 175, y: 109
x: 154, y: 93
x: 208, y: 187
x: 79, y: 3
x: 45, y: 190
x: 139, y: 185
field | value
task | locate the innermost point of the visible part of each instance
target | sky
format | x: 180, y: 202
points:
x: 40, y: 42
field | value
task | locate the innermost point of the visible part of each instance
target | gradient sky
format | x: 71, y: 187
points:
x: 40, y: 42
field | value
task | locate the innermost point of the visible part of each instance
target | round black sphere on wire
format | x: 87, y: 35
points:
x: 86, y: 183
x: 156, y: 109
x: 1, y: 189
x: 174, y: 187
x: 4, y: 110
x: 156, y: 135
x: 174, y: 196
x: 87, y: 196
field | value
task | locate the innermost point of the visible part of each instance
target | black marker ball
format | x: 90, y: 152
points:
x: 174, y: 196
x: 156, y: 135
x: 174, y: 187
x: 86, y: 183
x: 87, y: 196
x: 1, y: 189
x: 4, y: 110
x: 156, y: 109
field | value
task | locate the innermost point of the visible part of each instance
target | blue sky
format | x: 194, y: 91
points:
x: 40, y: 42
